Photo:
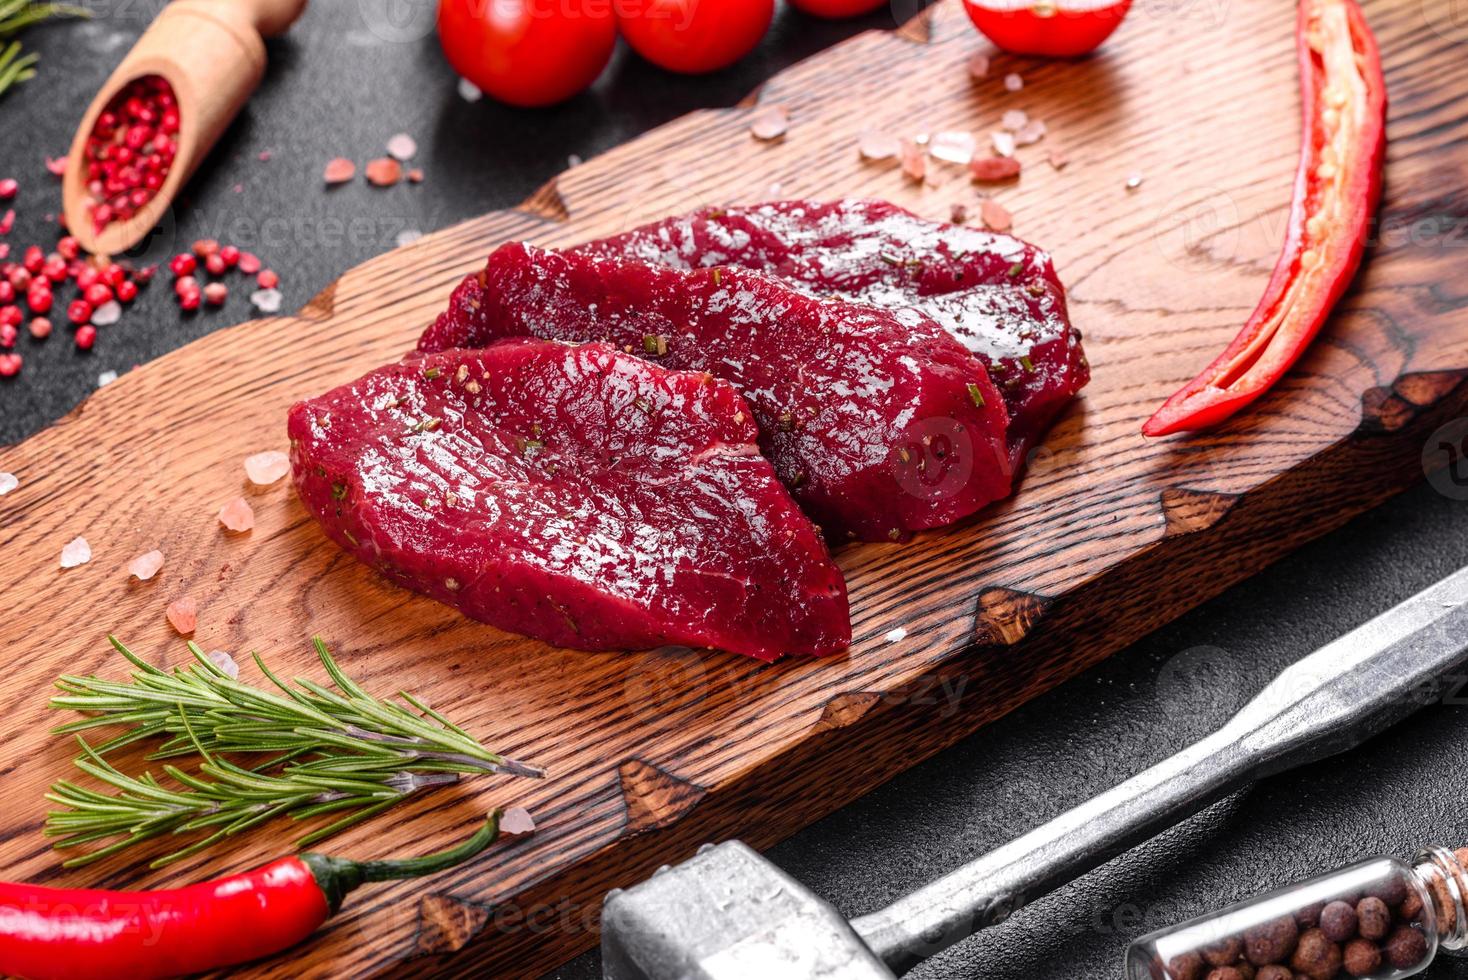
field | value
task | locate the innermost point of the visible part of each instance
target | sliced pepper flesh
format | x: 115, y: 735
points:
x: 1337, y: 189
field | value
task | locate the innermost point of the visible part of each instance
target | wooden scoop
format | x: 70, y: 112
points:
x: 213, y: 54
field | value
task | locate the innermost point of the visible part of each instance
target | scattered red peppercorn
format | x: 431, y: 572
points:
x: 215, y: 265
x: 216, y: 293
x: 230, y: 255
x: 9, y: 187
x: 267, y: 279
x: 79, y: 311
x: 11, y: 315
x: 35, y: 259
x: 7, y: 292
x: 186, y: 284
x: 249, y: 263
x: 87, y: 277
x: 206, y: 247
x: 130, y: 150
x: 189, y: 301
x: 69, y: 248
x: 99, y: 295
x: 38, y: 299
x: 40, y: 328
x: 8, y: 335
x: 86, y: 336
x: 114, y: 275
x: 10, y: 365
x: 127, y: 291
x: 56, y: 269
x: 183, y: 265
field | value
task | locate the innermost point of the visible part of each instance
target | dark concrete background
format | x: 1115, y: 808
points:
x: 347, y: 79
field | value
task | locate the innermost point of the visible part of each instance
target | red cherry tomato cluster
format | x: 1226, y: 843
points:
x: 540, y: 52
x: 1048, y: 28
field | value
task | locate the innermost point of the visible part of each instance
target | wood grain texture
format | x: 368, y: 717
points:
x: 653, y: 753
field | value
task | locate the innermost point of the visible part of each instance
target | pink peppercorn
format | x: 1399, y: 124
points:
x: 10, y: 365
x: 127, y: 291
x: 9, y: 187
x: 215, y: 264
x: 35, y: 259
x: 114, y: 275
x: 39, y: 300
x: 230, y: 255
x: 69, y: 248
x: 267, y: 279
x: 206, y: 247
x: 189, y: 301
x: 186, y: 284
x: 99, y: 295
x: 79, y: 311
x: 249, y: 263
x: 20, y: 279
x: 7, y: 292
x: 85, y: 337
x: 11, y: 315
x: 183, y: 265
x: 216, y: 293
x: 87, y: 277
x: 8, y: 335
x: 40, y: 328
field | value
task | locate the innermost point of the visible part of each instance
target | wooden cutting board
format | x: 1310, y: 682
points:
x: 653, y: 753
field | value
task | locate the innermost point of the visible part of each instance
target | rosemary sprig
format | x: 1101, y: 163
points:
x: 16, y: 16
x: 341, y: 751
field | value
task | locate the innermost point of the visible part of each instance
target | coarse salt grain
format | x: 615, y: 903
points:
x: 408, y: 237
x: 107, y: 314
x: 237, y: 516
x: 468, y: 91
x: 78, y: 552
x: 145, y: 566
x: 769, y: 123
x: 1014, y: 120
x: 266, y: 300
x: 896, y: 635
x: 225, y: 663
x: 402, y: 147
x: 1013, y: 82
x: 1133, y: 182
x: 1003, y: 143
x: 873, y: 145
x: 263, y: 469
x: 8, y: 482
x: 106, y: 378
x: 953, y: 147
x: 183, y: 615
x: 516, y: 821
x: 1030, y: 133
x: 339, y: 171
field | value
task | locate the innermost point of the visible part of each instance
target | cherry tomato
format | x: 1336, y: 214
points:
x: 528, y: 52
x: 1049, y: 28
x: 694, y: 36
x: 836, y: 9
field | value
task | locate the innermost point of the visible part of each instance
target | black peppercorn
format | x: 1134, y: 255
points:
x: 1375, y: 919
x: 1362, y: 957
x: 1272, y: 941
x: 1406, y: 949
x: 1338, y: 922
x: 1316, y: 956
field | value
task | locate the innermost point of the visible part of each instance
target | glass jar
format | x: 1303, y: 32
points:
x: 1377, y: 920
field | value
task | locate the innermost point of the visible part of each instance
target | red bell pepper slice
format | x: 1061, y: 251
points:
x: 1337, y: 189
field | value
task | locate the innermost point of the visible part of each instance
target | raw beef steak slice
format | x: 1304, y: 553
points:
x: 877, y: 420
x: 996, y: 294
x: 574, y: 494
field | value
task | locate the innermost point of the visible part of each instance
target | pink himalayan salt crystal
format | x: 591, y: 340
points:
x: 236, y: 516
x: 874, y: 145
x: 402, y: 147
x: 78, y: 552
x: 145, y: 566
x: 339, y: 171
x: 769, y: 123
x: 1031, y: 132
x: 1014, y: 120
x: 953, y: 147
x: 183, y: 615
x: 225, y: 663
x: 265, y: 468
x: 517, y: 821
x: 914, y: 161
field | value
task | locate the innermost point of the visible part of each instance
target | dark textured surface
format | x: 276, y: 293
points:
x: 331, y: 93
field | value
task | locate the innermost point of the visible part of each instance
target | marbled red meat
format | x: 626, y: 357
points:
x: 996, y: 294
x: 877, y: 420
x: 578, y: 495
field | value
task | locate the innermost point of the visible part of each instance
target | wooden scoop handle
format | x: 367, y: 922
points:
x: 272, y: 18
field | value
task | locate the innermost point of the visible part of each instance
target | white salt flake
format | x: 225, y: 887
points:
x: 145, y: 566
x: 8, y: 482
x: 769, y: 123
x: 1003, y: 143
x: 267, y: 300
x: 1014, y: 120
x: 237, y: 516
x: 1133, y: 182
x: 225, y: 663
x: 106, y: 378
x: 402, y: 147
x: 1031, y: 132
x: 76, y: 553
x: 1013, y: 83
x: 873, y: 145
x: 953, y: 147
x: 517, y: 821
x: 107, y: 314
x: 408, y: 236
x: 896, y: 636
x: 468, y: 91
x: 265, y: 468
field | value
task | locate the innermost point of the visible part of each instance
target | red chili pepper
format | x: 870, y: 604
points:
x: 1337, y: 188
x: 59, y: 934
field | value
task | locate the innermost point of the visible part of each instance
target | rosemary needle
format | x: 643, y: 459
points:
x: 328, y: 751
